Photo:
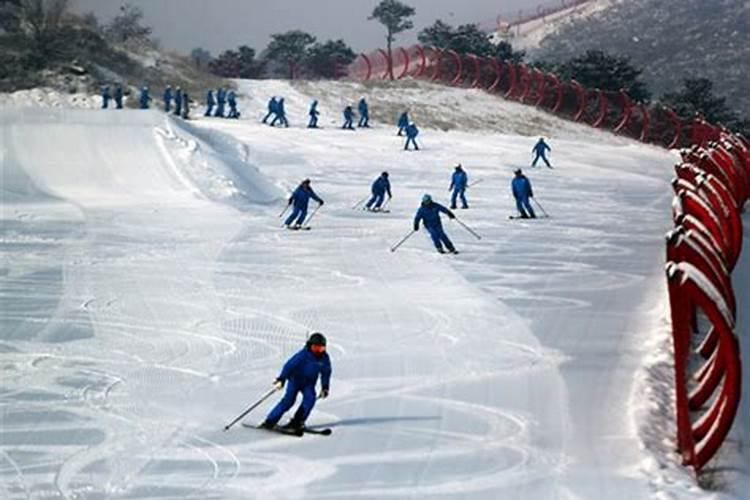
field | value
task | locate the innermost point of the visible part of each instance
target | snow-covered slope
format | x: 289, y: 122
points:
x: 141, y: 311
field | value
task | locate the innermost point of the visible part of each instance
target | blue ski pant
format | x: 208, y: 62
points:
x: 538, y: 156
x: 290, y: 397
x: 524, y: 207
x: 364, y: 121
x: 269, y: 115
x: 297, y: 216
x: 439, y: 238
x: 281, y: 119
x: 209, y: 109
x: 313, y: 122
x: 377, y: 200
x: 459, y: 193
x: 411, y: 140
x: 348, y: 124
x: 167, y: 106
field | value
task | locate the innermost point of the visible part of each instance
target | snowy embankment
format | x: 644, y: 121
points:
x: 141, y: 310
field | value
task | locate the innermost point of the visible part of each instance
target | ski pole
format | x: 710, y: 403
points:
x: 307, y: 222
x: 467, y: 228
x: 403, y: 240
x: 385, y: 204
x: 254, y: 406
x: 474, y: 183
x: 541, y: 208
x: 285, y: 209
x: 354, y: 207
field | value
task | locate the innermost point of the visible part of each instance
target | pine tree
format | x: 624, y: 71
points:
x: 394, y: 15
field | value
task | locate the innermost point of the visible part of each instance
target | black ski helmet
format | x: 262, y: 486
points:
x: 316, y: 338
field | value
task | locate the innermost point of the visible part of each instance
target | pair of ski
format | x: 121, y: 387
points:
x: 299, y: 228
x: 290, y: 432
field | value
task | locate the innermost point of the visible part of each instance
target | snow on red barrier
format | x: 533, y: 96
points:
x: 711, y: 188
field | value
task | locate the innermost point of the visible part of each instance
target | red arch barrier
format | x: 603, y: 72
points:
x: 459, y: 66
x: 497, y: 66
x: 405, y: 56
x: 388, y: 64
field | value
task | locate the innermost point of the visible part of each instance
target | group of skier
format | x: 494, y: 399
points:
x: 118, y: 97
x: 220, y: 100
x: 301, y: 372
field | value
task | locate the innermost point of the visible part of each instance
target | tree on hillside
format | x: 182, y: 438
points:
x: 289, y: 48
x: 325, y: 59
x: 10, y: 15
x: 200, y: 57
x: 127, y: 26
x: 697, y: 96
x: 597, y: 69
x: 394, y: 15
x: 467, y: 39
x: 240, y: 63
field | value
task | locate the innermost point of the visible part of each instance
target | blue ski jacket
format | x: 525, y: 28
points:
x: 459, y: 180
x: 521, y: 187
x: 540, y: 148
x: 362, y: 106
x: 314, y: 109
x: 210, y: 98
x: 348, y: 113
x: 430, y: 215
x: 403, y: 120
x: 301, y: 197
x: 168, y: 94
x: 273, y: 105
x: 412, y: 131
x: 381, y: 186
x: 231, y: 98
x: 304, y: 368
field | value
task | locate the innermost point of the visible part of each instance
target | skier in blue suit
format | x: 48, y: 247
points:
x: 168, y: 98
x: 145, y: 98
x: 221, y: 99
x: 272, y: 107
x: 185, y: 106
x: 403, y: 122
x: 300, y: 373
x: 348, y: 118
x: 522, y: 191
x: 280, y: 114
x: 459, y: 181
x: 429, y: 213
x: 300, y: 199
x: 210, y: 102
x: 380, y: 188
x: 411, y: 136
x: 539, y: 150
x: 178, y: 98
x: 118, y: 96
x: 106, y: 96
x: 232, y: 101
x: 313, y: 115
x: 364, y: 114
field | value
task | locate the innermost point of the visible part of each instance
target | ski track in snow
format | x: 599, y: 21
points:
x: 149, y: 295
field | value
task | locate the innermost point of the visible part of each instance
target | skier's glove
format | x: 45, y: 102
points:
x: 323, y: 394
x: 322, y: 203
x: 451, y: 216
x: 416, y: 228
x: 278, y: 384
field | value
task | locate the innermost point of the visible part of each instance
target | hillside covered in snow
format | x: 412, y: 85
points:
x: 670, y: 39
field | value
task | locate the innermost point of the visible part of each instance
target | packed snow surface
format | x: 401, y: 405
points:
x: 148, y: 295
